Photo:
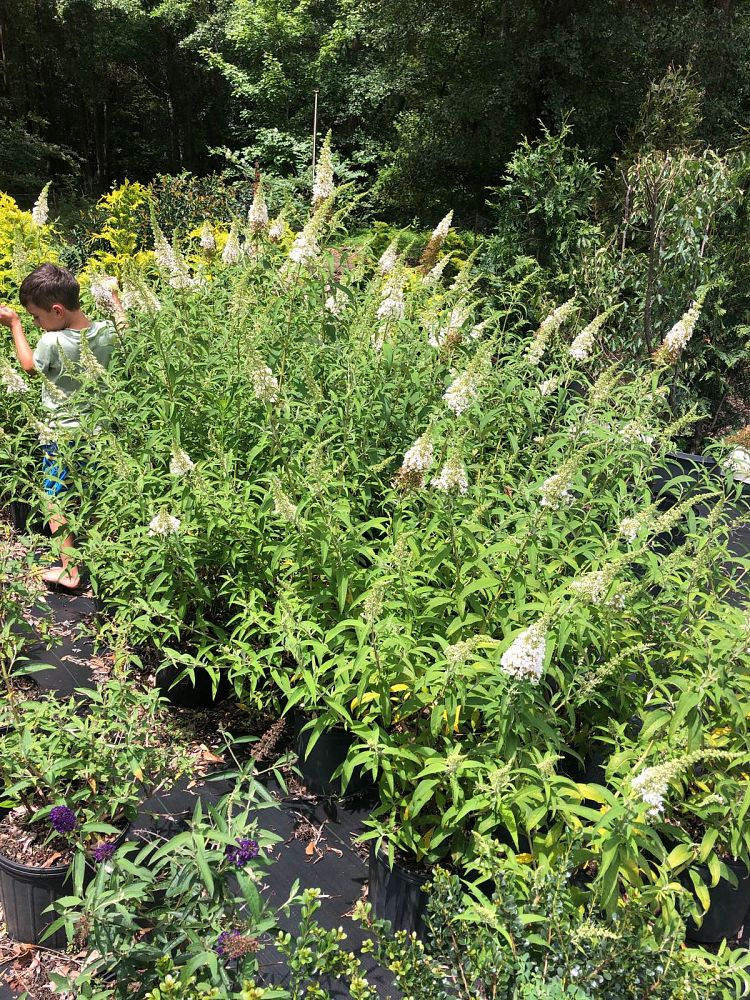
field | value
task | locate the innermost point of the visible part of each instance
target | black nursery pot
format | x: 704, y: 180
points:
x: 24, y: 519
x: 185, y: 693
x: 728, y: 908
x: 319, y: 766
x: 26, y: 892
x: 397, y: 894
x: 683, y: 463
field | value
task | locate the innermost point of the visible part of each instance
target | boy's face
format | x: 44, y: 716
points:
x: 54, y: 318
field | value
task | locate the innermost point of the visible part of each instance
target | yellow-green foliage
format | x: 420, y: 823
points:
x: 121, y: 211
x: 23, y: 245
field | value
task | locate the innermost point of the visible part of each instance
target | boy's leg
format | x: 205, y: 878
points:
x: 66, y: 575
x: 54, y: 484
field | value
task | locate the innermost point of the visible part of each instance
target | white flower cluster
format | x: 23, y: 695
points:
x: 46, y: 432
x: 459, y: 653
x: 478, y: 329
x: 276, y: 230
x: 166, y: 258
x: 548, y: 326
x: 450, y: 335
x: 524, y: 658
x: 305, y: 247
x: 652, y: 785
x: 40, y: 211
x: 139, y: 297
x: 172, y: 265
x: 13, y: 382
x: 180, y: 464
x: 207, y: 238
x: 442, y: 229
x: 282, y: 505
x: 337, y: 302
x: 583, y: 344
x: 377, y: 338
x: 677, y: 338
x: 103, y: 290
x: 633, y: 432
x: 164, y: 524
x: 462, y: 392
x: 629, y: 528
x: 89, y: 362
x: 419, y: 457
x: 451, y: 477
x: 548, y: 386
x: 232, y: 252
x: 556, y: 491
x: 593, y: 587
x: 738, y: 464
x: 415, y: 464
x: 436, y: 273
x: 372, y: 606
x: 392, y: 305
x: 536, y: 350
x: 257, y: 216
x: 265, y: 384
x: 556, y: 318
x: 429, y: 255
x: 323, y: 187
x: 388, y: 261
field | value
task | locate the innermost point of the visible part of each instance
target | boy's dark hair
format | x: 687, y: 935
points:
x: 48, y: 284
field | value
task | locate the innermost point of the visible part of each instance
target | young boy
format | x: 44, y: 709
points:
x: 51, y: 295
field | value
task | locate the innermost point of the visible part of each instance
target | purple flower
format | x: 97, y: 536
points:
x: 103, y: 852
x: 224, y: 940
x: 245, y: 851
x: 63, y: 819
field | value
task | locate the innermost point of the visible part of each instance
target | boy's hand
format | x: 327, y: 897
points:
x: 7, y: 316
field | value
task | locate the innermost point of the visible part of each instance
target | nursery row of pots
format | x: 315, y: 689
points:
x: 395, y: 891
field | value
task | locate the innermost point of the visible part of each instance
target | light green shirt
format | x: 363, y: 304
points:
x: 57, y: 356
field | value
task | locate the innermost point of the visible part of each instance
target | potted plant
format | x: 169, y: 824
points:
x: 20, y: 590
x: 160, y: 913
x: 537, y: 936
x: 72, y: 774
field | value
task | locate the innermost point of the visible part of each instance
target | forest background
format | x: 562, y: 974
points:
x: 596, y: 148
x: 427, y: 98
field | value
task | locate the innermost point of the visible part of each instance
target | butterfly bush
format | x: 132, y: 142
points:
x: 452, y: 476
x: 357, y: 513
x: 232, y: 252
x: 324, y: 188
x: 40, y: 211
x: 389, y: 258
x: 257, y: 216
x: 677, y: 338
x: 524, y: 658
x: 164, y: 524
x: 207, y: 239
x: 13, y: 382
x: 180, y: 464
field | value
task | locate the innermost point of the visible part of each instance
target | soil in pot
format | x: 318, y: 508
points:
x: 729, y: 905
x: 321, y: 763
x: 397, y: 894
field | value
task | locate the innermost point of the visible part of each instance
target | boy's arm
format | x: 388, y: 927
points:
x: 23, y: 352
x: 118, y: 314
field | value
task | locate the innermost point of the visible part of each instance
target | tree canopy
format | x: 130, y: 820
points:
x: 427, y: 97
